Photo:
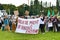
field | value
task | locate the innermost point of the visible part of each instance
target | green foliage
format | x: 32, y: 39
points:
x: 22, y: 9
x: 34, y: 8
x: 1, y: 7
x: 9, y: 8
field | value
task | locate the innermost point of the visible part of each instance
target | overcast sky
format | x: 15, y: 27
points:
x: 20, y: 2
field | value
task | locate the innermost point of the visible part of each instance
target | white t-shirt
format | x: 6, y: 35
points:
x: 41, y: 22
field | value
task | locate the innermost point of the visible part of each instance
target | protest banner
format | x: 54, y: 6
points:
x: 28, y: 26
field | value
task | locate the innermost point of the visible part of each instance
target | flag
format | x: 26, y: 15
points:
x: 58, y: 16
x: 48, y: 14
x: 58, y: 13
x: 53, y: 13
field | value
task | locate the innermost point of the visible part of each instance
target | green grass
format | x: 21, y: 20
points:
x: 4, y: 35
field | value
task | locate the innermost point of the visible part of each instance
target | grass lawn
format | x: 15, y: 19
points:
x: 4, y: 35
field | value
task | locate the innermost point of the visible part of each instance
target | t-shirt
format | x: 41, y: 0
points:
x: 6, y: 21
x: 41, y: 20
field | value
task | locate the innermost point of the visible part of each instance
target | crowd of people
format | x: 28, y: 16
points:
x: 47, y: 24
x: 8, y: 23
x: 51, y: 23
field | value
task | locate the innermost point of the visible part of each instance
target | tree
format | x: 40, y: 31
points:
x: 12, y: 8
x: 36, y: 7
x: 31, y: 8
x: 1, y: 7
x: 22, y: 9
x: 57, y: 4
x: 9, y: 8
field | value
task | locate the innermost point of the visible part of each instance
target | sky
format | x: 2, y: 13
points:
x: 20, y: 2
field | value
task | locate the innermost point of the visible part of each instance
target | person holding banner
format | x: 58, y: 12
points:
x: 14, y: 17
x: 27, y: 15
x: 42, y: 25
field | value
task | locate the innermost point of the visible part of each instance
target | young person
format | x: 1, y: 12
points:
x: 6, y: 22
x: 42, y: 25
x: 27, y: 15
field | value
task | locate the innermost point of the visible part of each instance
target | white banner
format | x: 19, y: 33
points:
x: 29, y: 26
